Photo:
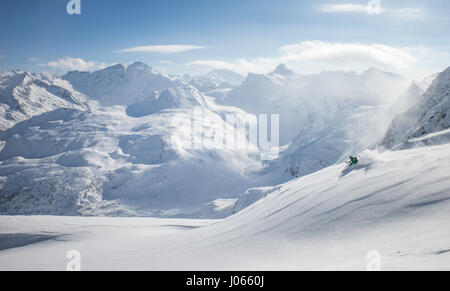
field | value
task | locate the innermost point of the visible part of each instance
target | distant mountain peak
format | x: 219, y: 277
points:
x: 283, y: 71
x: 115, y: 67
x: 138, y: 64
x: 120, y: 84
x: 138, y: 68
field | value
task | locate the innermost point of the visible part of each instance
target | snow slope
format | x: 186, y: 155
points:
x: 107, y: 162
x: 430, y: 114
x: 121, y: 84
x: 395, y: 204
x: 23, y: 95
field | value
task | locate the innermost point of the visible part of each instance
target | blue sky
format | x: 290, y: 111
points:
x: 192, y: 36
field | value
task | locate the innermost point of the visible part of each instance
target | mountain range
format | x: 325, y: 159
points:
x: 110, y: 142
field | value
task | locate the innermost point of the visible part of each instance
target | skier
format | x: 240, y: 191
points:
x: 353, y: 161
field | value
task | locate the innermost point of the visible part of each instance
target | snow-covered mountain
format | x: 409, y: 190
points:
x: 304, y: 99
x: 282, y: 70
x: 324, y: 118
x: 430, y: 114
x: 121, y: 84
x: 24, y: 95
x: 108, y: 162
x: 132, y: 159
x: 217, y: 83
x: 187, y: 97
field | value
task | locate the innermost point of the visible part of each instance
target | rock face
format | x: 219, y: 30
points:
x: 430, y: 114
x: 120, y: 84
x: 24, y: 95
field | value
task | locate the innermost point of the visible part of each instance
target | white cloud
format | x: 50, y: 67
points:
x: 78, y: 64
x: 375, y: 8
x: 165, y: 62
x: 33, y: 59
x: 162, y: 49
x: 347, y: 54
x: 405, y: 12
x: 242, y: 66
x: 316, y: 56
x: 342, y: 8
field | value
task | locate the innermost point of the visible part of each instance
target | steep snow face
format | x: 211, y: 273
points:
x: 106, y: 162
x: 23, y: 95
x: 429, y: 115
x: 120, y: 84
x: 302, y: 100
